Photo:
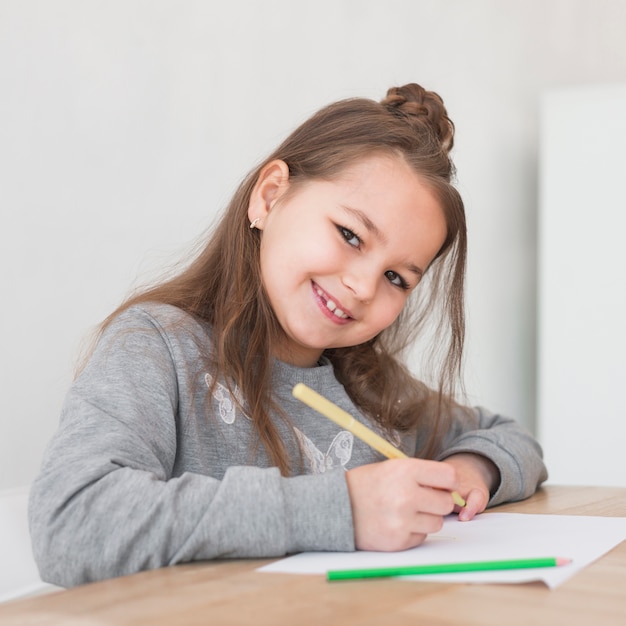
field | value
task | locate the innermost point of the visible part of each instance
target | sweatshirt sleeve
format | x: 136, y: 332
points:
x: 513, y: 450
x: 107, y: 501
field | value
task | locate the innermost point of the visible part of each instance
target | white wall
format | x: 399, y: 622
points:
x: 582, y: 284
x: 126, y: 124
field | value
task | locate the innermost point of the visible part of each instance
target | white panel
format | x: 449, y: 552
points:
x: 582, y: 285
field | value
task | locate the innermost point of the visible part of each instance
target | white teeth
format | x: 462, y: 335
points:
x: 331, y: 306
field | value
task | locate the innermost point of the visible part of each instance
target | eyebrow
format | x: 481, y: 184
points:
x: 378, y: 234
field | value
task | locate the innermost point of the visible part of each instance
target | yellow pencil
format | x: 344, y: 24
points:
x: 345, y: 420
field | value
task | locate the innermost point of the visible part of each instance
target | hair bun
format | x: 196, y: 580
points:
x: 421, y: 107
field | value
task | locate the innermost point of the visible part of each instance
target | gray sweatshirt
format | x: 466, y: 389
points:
x: 148, y: 468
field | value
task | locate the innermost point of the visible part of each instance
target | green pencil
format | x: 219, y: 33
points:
x: 445, y: 568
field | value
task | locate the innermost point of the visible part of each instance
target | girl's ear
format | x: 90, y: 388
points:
x: 272, y: 183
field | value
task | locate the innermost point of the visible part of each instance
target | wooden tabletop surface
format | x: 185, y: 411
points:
x: 232, y: 592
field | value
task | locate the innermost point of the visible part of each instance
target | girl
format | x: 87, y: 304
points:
x: 180, y: 439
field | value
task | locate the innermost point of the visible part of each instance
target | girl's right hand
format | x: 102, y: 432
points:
x: 397, y: 503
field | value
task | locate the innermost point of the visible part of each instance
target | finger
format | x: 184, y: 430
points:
x: 427, y: 524
x: 412, y: 540
x: 475, y: 503
x: 415, y: 539
x: 436, y: 474
x: 434, y: 501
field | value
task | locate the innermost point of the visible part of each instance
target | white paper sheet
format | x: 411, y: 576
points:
x: 489, y: 536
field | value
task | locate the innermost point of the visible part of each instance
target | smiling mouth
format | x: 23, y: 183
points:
x: 330, y: 305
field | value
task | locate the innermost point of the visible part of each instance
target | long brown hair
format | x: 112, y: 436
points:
x: 223, y: 286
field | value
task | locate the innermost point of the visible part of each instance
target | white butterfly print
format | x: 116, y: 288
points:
x: 338, y: 455
x: 226, y: 407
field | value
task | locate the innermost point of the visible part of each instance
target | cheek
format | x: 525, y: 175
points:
x: 272, y: 275
x: 387, y: 313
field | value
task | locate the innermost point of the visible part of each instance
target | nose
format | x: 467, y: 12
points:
x: 361, y: 282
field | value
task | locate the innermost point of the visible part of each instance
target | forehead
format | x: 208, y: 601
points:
x: 380, y: 171
x: 387, y: 181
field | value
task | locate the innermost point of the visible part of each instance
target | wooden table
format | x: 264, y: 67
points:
x: 232, y: 592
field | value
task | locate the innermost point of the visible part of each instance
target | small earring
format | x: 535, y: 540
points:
x: 254, y: 223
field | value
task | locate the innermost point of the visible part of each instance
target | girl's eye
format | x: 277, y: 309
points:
x: 353, y: 239
x: 396, y: 279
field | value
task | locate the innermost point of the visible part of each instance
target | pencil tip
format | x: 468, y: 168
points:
x: 562, y: 561
x: 458, y: 500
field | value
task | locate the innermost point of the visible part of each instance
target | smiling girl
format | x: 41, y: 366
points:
x: 180, y: 440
